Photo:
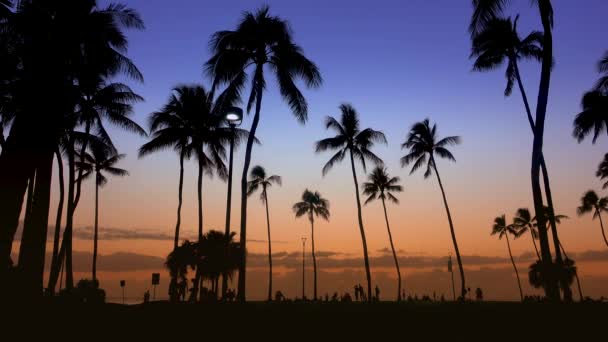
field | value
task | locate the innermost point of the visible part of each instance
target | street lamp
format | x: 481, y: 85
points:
x: 303, y: 268
x: 234, y: 118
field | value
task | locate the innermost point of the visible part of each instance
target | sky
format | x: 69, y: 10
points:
x: 396, y: 62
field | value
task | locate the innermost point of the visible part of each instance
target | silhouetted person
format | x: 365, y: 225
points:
x: 357, y: 292
x: 479, y: 294
x: 146, y: 296
x: 334, y: 298
x: 434, y: 296
x: 377, y: 293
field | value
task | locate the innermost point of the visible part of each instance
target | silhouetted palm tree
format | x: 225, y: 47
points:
x: 485, y: 11
x: 356, y: 143
x: 602, y: 84
x: 501, y: 228
x: 312, y: 204
x: 591, y: 202
x: 526, y: 223
x: 95, y: 164
x: 260, y: 40
x: 181, y: 259
x: 602, y: 171
x: 381, y: 186
x: 594, y: 117
x: 218, y: 254
x: 423, y: 144
x: 259, y: 179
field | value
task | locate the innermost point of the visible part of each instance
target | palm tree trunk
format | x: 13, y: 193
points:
x: 96, y: 234
x: 552, y: 289
x: 56, y: 235
x: 242, y: 279
x: 30, y: 198
x: 578, y: 282
x: 269, y: 248
x: 463, y: 290
x: 173, y: 296
x: 314, y: 257
x: 599, y: 215
x: 228, y: 207
x: 534, y: 243
x: 200, y: 200
x: 390, y: 238
x: 521, y: 292
x: 362, y: 230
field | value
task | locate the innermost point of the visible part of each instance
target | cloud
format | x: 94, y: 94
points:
x: 87, y: 233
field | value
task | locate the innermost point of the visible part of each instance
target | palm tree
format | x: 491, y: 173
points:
x: 602, y: 84
x: 485, y: 11
x: 259, y: 179
x: 356, y: 143
x: 525, y: 222
x: 97, y: 163
x: 218, y: 254
x: 312, y: 204
x: 594, y: 117
x: 501, y: 228
x: 381, y: 186
x: 591, y: 202
x: 423, y: 144
x: 260, y: 40
x: 180, y: 260
x: 602, y: 171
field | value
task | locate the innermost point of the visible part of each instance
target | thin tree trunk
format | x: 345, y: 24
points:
x: 96, y: 233
x: 362, y: 230
x: 578, y: 282
x: 390, y: 238
x: 314, y: 257
x: 521, y: 292
x: 228, y: 207
x: 29, y: 200
x: 599, y: 215
x: 463, y: 289
x: 552, y: 289
x: 269, y: 248
x: 57, y: 234
x: 173, y: 295
x: 534, y: 243
x: 242, y: 279
x: 200, y: 223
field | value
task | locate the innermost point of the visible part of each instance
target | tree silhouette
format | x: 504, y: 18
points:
x: 526, y: 223
x: 423, y: 145
x: 312, y: 204
x: 260, y: 40
x: 381, y: 186
x: 602, y: 171
x: 356, y: 143
x: 259, y: 179
x: 594, y: 117
x: 591, y: 202
x: 95, y: 164
x: 501, y: 228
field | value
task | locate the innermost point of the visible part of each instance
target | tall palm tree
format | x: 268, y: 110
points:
x: 483, y: 12
x: 95, y: 164
x: 423, y: 144
x: 382, y: 186
x: 591, y: 202
x: 356, y: 143
x: 594, y: 117
x: 312, y: 204
x: 260, y: 40
x: 501, y: 228
x: 602, y: 171
x: 260, y: 179
x: 526, y: 223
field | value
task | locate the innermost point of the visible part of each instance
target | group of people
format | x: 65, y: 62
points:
x: 360, y: 294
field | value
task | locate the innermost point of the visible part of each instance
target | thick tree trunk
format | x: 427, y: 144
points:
x: 96, y: 233
x: 242, y: 279
x: 463, y: 289
x: 521, y: 292
x: 314, y: 257
x: 173, y: 295
x: 390, y: 238
x: 57, y: 234
x: 362, y: 230
x: 228, y: 207
x: 269, y: 247
x: 200, y: 223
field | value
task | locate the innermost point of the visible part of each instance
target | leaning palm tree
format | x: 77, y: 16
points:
x: 602, y: 171
x: 423, y: 144
x: 594, y: 117
x: 312, y: 204
x: 96, y: 163
x: 356, y: 143
x: 259, y: 179
x: 260, y: 40
x: 526, y: 223
x: 591, y: 202
x: 381, y: 186
x: 501, y: 228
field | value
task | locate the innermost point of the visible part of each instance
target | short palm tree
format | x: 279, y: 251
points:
x: 260, y: 40
x: 356, y: 143
x: 423, y: 144
x: 312, y: 204
x: 218, y: 255
x: 591, y: 202
x: 526, y: 223
x: 259, y: 179
x: 96, y: 163
x: 501, y: 228
x: 382, y: 186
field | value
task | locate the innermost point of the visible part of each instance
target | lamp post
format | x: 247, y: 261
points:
x: 234, y: 118
x: 303, y: 268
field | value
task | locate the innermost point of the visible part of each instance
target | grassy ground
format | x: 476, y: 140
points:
x: 341, y: 321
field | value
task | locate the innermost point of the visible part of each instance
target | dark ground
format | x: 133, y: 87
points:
x: 286, y: 321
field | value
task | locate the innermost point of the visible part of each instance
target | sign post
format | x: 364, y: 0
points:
x: 122, y: 285
x: 155, y: 282
x: 452, y: 272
